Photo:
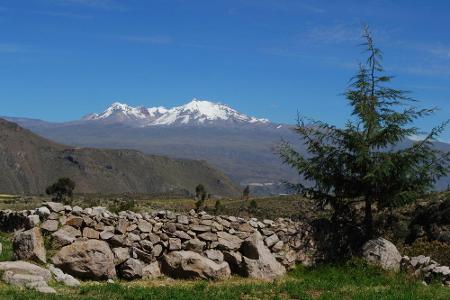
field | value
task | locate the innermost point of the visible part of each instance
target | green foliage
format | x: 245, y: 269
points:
x: 218, y: 207
x: 199, y: 204
x: 200, y: 192
x: 253, y: 206
x: 438, y: 251
x: 119, y: 205
x: 351, y: 280
x: 365, y: 160
x: 246, y: 193
x: 62, y: 190
x: 6, y: 241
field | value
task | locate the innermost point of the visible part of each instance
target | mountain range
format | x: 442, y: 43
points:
x: 30, y: 163
x: 241, y: 146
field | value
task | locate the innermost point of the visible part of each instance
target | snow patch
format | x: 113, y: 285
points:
x: 195, y: 112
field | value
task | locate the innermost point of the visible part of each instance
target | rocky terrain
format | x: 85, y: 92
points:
x: 66, y: 244
x: 93, y: 243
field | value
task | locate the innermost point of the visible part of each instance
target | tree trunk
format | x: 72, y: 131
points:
x: 368, y: 219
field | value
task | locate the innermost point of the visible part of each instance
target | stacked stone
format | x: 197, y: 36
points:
x: 93, y: 243
x: 425, y: 267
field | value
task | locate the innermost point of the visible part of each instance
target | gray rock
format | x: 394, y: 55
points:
x: 194, y: 245
x: 214, y: 255
x: 90, y: 233
x: 29, y: 281
x: 74, y: 221
x: 122, y: 226
x: 50, y: 225
x: 54, y: 206
x: 106, y: 234
x: 383, y: 253
x: 23, y: 267
x: 189, y: 264
x: 91, y: 259
x: 61, y: 238
x: 182, y: 235
x: 142, y: 255
x: 174, y: 244
x: 271, y: 240
x: 60, y: 276
x: 144, y: 226
x: 182, y: 219
x: 121, y: 254
x: 258, y: 261
x: 208, y: 236
x: 228, y: 241
x: 420, y: 261
x: 200, y: 228
x: 157, y: 250
x: 29, y: 245
x: 33, y: 220
x: 151, y: 271
x: 131, y: 269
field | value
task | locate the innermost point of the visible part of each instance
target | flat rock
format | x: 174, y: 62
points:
x: 194, y: 245
x: 228, y: 241
x: 54, y: 206
x: 23, y: 267
x: 189, y: 264
x: 50, y: 225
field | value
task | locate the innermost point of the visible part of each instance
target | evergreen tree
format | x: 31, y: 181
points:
x: 200, y: 192
x: 61, y: 189
x: 246, y: 193
x: 367, y: 160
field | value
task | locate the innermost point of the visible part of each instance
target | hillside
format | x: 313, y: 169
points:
x: 241, y: 146
x: 29, y: 163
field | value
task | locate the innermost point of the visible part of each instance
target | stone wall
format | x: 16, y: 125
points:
x: 93, y: 243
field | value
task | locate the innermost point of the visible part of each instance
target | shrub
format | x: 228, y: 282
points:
x: 438, y: 251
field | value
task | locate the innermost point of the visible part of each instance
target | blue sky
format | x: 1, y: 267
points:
x: 61, y: 59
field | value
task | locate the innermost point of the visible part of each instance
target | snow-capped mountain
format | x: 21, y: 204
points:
x: 196, y: 112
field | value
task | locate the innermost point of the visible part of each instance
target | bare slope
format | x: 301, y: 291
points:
x: 29, y: 163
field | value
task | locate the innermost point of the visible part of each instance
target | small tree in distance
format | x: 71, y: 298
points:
x: 364, y: 161
x: 246, y: 193
x: 61, y: 189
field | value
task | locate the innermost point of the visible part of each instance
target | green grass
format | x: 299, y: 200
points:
x: 6, y: 241
x: 353, y: 280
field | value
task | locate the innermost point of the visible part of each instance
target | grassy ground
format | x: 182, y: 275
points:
x: 348, y: 281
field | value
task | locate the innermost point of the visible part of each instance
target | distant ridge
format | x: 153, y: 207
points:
x: 29, y: 163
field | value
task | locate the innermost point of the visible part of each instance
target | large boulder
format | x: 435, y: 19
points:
x: 382, y: 253
x: 258, y: 261
x: 29, y: 245
x: 189, y: 264
x: 90, y: 259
